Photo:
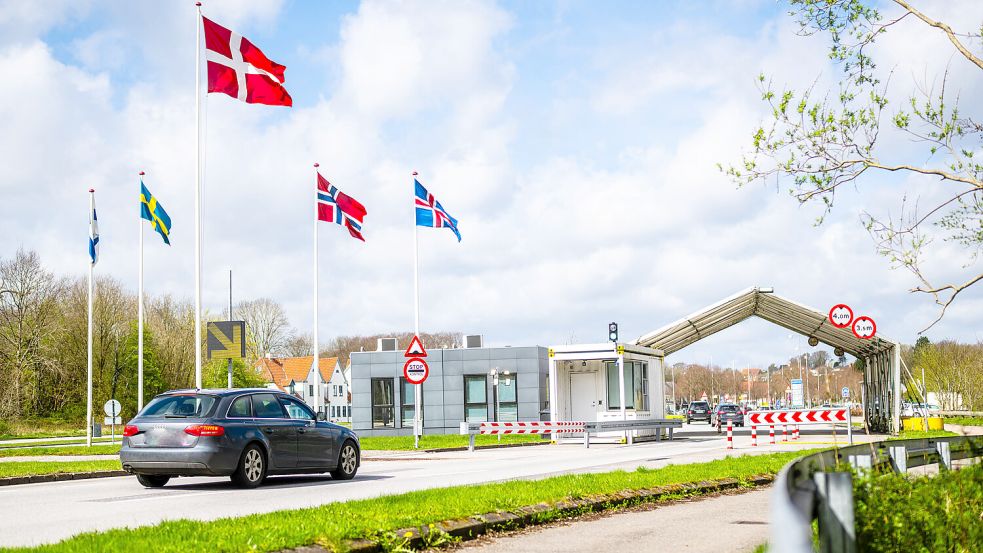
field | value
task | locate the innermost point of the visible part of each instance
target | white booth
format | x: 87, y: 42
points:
x: 610, y: 381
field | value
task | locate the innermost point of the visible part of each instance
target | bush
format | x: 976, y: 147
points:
x: 931, y: 513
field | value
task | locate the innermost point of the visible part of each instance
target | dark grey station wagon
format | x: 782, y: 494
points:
x: 247, y: 434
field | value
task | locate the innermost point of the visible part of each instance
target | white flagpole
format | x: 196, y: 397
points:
x: 317, y: 356
x: 88, y: 402
x: 417, y: 427
x: 198, y: 195
x: 140, y: 311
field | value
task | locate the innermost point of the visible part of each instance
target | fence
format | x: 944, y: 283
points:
x: 586, y: 428
x: 810, y: 489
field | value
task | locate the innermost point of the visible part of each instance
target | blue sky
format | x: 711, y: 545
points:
x: 576, y: 142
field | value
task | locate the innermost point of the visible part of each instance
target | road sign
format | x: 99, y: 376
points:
x: 846, y: 392
x: 226, y: 340
x: 806, y: 416
x: 416, y: 370
x: 112, y: 408
x: 797, y: 396
x: 864, y: 327
x: 621, y: 349
x: 113, y: 421
x: 415, y: 349
x: 551, y: 353
x: 841, y: 315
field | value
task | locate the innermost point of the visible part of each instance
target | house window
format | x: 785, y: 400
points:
x: 382, y: 403
x: 475, y: 398
x: 508, y: 408
x: 407, y: 401
x: 636, y: 386
x: 311, y: 390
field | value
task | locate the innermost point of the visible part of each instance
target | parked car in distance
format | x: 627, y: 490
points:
x: 725, y: 412
x: 246, y: 434
x: 698, y: 411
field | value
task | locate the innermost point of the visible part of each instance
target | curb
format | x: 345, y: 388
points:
x: 60, y: 477
x: 493, y: 446
x: 470, y: 528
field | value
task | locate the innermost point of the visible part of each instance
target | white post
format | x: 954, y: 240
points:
x: 140, y: 309
x: 417, y: 427
x: 229, y: 362
x: 88, y: 402
x: 198, y: 195
x: 621, y: 387
x: 317, y: 357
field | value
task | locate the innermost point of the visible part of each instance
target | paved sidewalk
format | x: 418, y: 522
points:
x: 736, y: 523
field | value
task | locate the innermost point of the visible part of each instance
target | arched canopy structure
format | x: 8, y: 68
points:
x: 882, y: 375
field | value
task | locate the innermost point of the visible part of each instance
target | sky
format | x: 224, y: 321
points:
x: 576, y: 142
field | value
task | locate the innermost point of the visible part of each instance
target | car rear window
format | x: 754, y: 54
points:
x: 729, y: 408
x: 700, y: 404
x: 185, y: 405
x: 241, y: 408
x: 265, y: 406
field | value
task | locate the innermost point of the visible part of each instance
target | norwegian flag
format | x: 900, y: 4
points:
x: 334, y: 206
x: 429, y: 212
x: 238, y: 68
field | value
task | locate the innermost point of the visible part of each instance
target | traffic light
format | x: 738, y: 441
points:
x: 613, y: 332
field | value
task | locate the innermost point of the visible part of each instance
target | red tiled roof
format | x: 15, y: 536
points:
x: 281, y: 370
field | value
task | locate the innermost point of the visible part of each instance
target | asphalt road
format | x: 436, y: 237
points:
x: 77, y: 506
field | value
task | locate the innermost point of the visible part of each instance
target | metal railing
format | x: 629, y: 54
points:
x: 586, y: 428
x: 811, y: 489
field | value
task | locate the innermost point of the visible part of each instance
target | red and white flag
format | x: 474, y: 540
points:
x: 238, y: 68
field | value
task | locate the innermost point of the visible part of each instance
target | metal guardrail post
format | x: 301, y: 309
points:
x: 471, y: 442
x: 945, y: 454
x: 899, y: 458
x: 586, y: 438
x: 835, y: 512
x: 861, y: 463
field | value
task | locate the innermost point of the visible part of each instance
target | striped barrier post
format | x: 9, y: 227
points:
x: 785, y: 433
x: 771, y: 434
x: 754, y: 436
x: 730, y: 435
x: 795, y: 432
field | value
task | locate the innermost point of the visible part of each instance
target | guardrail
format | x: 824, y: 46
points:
x: 472, y: 429
x: 810, y: 489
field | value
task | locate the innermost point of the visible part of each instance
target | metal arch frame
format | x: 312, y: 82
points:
x: 882, y: 376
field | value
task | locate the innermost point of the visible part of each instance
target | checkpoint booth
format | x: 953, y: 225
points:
x: 607, y: 382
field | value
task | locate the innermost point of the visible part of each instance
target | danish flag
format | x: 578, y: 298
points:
x: 238, y: 68
x: 334, y: 206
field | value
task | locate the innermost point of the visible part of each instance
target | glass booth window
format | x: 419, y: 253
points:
x: 383, y: 403
x: 407, y: 401
x: 508, y: 407
x: 636, y: 386
x: 475, y: 398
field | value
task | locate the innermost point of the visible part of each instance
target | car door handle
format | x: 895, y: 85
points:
x: 301, y: 430
x: 268, y: 430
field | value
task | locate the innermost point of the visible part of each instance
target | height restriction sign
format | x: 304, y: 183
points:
x: 416, y: 370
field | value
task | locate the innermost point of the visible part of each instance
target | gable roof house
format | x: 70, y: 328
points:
x: 296, y: 376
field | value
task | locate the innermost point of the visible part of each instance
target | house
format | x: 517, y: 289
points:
x: 340, y: 394
x: 296, y: 376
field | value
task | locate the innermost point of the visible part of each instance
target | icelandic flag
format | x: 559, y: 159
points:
x: 334, y: 206
x: 93, y: 231
x: 429, y: 212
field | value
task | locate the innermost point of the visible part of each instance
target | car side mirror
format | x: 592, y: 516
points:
x: 320, y: 416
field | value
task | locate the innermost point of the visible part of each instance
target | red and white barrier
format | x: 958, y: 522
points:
x: 754, y: 436
x: 795, y: 432
x: 784, y: 432
x: 799, y: 416
x: 533, y: 427
x: 730, y: 434
x: 771, y: 434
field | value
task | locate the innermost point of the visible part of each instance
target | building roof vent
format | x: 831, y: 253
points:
x: 474, y: 341
x: 387, y: 344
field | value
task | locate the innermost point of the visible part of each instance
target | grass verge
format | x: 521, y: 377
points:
x: 915, y: 434
x: 332, y: 525
x: 440, y: 441
x: 66, y: 443
x: 107, y: 449
x: 37, y: 468
x: 965, y: 421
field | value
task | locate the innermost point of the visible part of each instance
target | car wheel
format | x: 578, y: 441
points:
x: 347, y: 463
x: 153, y: 480
x: 252, y: 468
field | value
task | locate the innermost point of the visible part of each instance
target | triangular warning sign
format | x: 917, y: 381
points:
x: 415, y: 349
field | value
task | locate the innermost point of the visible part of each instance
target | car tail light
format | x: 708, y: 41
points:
x: 130, y: 430
x: 690, y: 411
x: 205, y: 430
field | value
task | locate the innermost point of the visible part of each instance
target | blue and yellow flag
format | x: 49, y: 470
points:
x: 154, y: 212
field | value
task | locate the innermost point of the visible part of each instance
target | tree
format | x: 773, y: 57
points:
x: 299, y: 345
x: 267, y: 327
x: 819, y: 142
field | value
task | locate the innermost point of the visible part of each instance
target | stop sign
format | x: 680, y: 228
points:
x: 416, y: 370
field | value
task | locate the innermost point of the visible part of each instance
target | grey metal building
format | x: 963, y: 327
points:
x: 459, y: 388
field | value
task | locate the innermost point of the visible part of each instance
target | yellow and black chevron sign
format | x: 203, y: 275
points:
x: 226, y: 340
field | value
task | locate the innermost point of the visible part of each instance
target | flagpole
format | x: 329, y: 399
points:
x: 316, y: 365
x: 140, y: 312
x: 417, y: 427
x: 198, y: 195
x: 88, y: 402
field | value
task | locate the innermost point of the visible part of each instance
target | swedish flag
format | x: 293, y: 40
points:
x: 154, y: 212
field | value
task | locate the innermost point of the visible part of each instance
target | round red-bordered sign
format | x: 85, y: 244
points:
x: 837, y: 314
x: 416, y: 370
x: 864, y: 328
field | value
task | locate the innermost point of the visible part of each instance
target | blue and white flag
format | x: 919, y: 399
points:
x: 429, y: 212
x: 93, y: 229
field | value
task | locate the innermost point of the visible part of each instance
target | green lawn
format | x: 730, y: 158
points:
x: 914, y: 434
x: 107, y: 449
x: 80, y: 441
x: 34, y: 468
x: 965, y: 421
x: 438, y: 441
x: 331, y: 524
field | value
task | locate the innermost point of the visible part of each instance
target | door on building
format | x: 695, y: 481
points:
x: 583, y: 396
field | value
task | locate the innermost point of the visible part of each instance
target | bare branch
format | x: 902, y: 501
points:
x: 946, y: 29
